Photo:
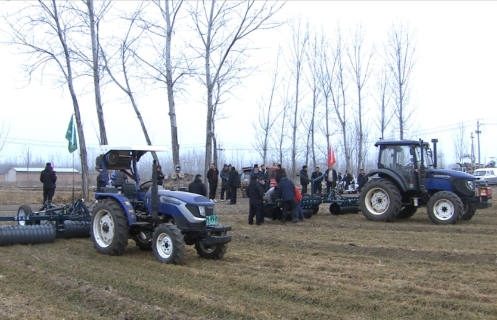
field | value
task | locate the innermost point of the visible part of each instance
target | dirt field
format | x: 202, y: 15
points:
x: 327, y: 267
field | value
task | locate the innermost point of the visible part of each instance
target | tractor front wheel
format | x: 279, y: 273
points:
x: 23, y: 214
x: 168, y: 244
x: 109, y: 228
x: 380, y: 200
x: 445, y: 207
x: 469, y: 212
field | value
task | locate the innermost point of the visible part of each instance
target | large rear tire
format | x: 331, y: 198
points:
x: 445, y: 207
x: 109, y: 228
x: 407, y: 212
x: 380, y: 200
x: 469, y: 212
x: 168, y: 244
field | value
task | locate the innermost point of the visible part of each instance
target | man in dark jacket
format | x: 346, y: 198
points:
x: 197, y: 186
x: 304, y: 179
x: 48, y: 178
x: 286, y: 192
x: 212, y: 178
x: 160, y: 176
x: 279, y: 173
x: 265, y: 173
x: 234, y: 183
x: 361, y: 179
x: 316, y: 186
x: 101, y: 183
x: 224, y: 175
x: 255, y: 193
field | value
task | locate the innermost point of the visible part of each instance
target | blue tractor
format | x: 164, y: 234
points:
x: 155, y: 218
x: 407, y: 178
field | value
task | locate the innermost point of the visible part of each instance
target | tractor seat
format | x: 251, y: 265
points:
x: 129, y: 191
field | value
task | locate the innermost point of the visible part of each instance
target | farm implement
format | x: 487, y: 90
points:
x: 47, y: 224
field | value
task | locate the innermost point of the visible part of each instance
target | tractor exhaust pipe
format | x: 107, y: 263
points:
x: 435, y: 157
x: 155, y: 192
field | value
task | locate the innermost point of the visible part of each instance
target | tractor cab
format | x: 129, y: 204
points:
x: 407, y: 162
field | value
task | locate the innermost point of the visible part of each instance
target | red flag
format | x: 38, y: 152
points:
x: 331, y: 157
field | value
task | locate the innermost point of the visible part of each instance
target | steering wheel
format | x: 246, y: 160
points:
x: 409, y: 166
x: 146, y: 185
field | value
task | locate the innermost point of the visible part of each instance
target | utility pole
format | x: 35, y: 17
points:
x: 478, y: 133
x: 472, y: 153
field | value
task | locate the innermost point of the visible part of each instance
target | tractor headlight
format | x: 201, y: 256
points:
x: 470, y: 185
x: 201, y: 210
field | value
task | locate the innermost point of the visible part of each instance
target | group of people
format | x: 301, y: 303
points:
x: 331, y: 178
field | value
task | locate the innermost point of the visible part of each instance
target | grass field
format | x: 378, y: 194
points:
x: 327, y: 267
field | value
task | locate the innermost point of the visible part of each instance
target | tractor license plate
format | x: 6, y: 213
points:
x: 211, y: 220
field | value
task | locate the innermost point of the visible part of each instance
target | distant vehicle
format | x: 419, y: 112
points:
x: 486, y: 176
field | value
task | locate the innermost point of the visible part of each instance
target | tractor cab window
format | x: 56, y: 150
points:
x: 396, y: 157
x: 427, y: 161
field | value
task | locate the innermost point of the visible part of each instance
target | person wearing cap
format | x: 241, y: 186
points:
x: 48, y: 178
x: 255, y: 193
x: 197, y: 186
x: 256, y: 172
x: 224, y: 175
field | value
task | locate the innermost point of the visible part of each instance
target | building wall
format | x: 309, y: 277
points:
x: 32, y: 179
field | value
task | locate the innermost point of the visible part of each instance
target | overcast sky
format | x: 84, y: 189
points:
x: 455, y: 81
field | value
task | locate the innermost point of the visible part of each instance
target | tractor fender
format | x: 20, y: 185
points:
x: 390, y: 175
x: 123, y: 202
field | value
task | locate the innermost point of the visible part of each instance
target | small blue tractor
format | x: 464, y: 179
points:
x: 155, y: 218
x: 407, y: 178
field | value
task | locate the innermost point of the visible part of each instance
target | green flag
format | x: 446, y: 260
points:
x: 71, y: 136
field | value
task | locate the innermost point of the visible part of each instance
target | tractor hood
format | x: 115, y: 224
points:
x: 444, y: 173
x: 191, y: 198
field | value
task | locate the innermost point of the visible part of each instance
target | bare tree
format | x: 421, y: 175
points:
x: 267, y: 117
x: 339, y: 97
x: 360, y: 63
x: 461, y: 144
x: 43, y: 31
x: 222, y: 26
x: 313, y: 78
x: 296, y: 64
x: 382, y: 97
x: 93, y: 24
x: 124, y: 70
x: 4, y: 135
x: 163, y: 69
x: 400, y: 56
x: 326, y: 66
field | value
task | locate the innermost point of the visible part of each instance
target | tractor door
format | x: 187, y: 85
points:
x: 401, y: 160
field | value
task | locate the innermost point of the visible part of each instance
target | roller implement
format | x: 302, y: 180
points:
x: 35, y: 227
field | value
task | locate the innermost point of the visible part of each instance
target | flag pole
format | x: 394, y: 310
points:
x: 73, y: 178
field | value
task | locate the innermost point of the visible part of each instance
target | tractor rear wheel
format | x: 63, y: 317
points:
x: 469, y: 212
x: 380, y: 200
x: 168, y: 244
x: 407, y: 212
x: 445, y: 207
x: 109, y: 228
